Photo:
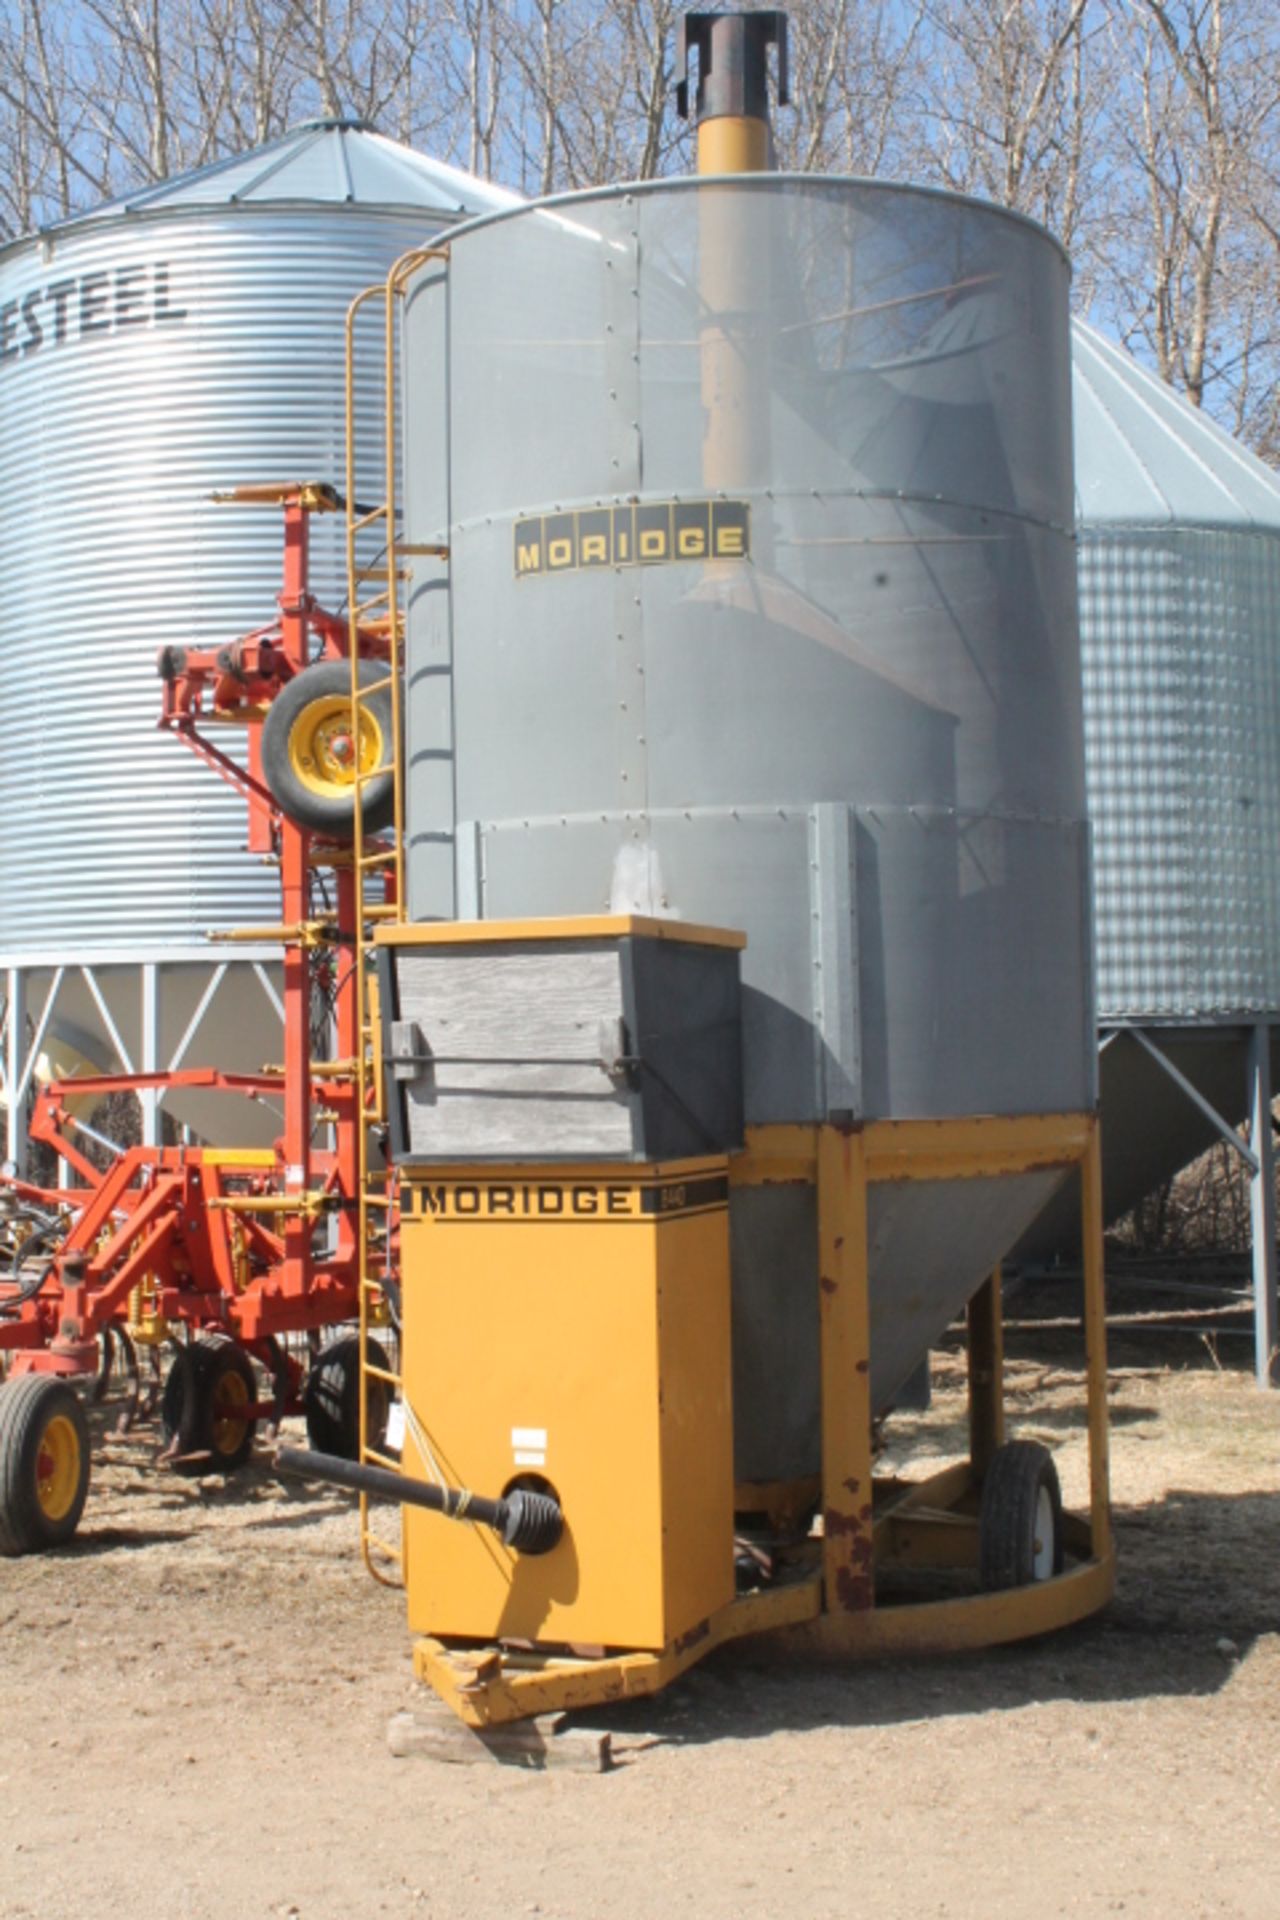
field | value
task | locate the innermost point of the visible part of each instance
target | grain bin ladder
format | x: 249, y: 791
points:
x: 377, y: 1195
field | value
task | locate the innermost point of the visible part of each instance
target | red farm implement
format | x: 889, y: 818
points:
x: 216, y: 1254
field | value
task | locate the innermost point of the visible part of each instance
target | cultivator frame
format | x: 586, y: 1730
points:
x: 181, y: 1244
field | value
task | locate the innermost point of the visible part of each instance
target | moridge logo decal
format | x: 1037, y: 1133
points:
x: 645, y: 535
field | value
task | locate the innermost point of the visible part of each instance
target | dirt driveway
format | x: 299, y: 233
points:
x: 194, y: 1701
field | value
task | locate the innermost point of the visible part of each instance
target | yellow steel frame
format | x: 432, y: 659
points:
x: 829, y: 1604
x: 377, y: 1185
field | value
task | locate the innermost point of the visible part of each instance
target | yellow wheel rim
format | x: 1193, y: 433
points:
x: 58, y: 1468
x: 230, y: 1398
x: 322, y: 746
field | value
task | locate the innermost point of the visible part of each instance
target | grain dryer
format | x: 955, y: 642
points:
x: 738, y: 1017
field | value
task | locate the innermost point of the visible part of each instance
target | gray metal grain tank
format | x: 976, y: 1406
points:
x: 186, y: 338
x: 852, y: 728
x: 1179, y: 561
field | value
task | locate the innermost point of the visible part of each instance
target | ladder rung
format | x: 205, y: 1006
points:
x: 368, y: 519
x: 376, y: 1200
x: 380, y: 573
x: 382, y: 1373
x: 374, y: 773
x: 374, y: 686
x: 373, y: 1457
x: 379, y: 859
x: 430, y: 548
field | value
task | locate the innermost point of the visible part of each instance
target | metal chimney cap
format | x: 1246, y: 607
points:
x: 733, y: 64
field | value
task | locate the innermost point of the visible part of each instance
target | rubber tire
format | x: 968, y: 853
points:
x: 27, y: 1405
x: 334, y: 818
x: 1019, y: 1473
x: 186, y: 1405
x: 331, y: 1397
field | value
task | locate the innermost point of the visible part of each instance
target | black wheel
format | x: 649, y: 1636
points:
x: 1020, y: 1522
x: 203, y: 1410
x: 44, y: 1463
x: 310, y: 756
x: 331, y: 1399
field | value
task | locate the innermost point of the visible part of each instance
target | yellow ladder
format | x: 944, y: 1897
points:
x: 377, y: 1184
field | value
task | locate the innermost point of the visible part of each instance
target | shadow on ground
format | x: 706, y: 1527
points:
x: 1166, y: 1634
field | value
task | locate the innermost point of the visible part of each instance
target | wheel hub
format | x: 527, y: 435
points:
x: 57, y: 1468
x: 1044, y: 1549
x: 327, y: 750
x: 230, y: 1398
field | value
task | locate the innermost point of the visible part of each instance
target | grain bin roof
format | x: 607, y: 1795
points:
x: 325, y: 162
x: 1146, y: 457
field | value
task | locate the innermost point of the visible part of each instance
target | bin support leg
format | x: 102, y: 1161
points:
x: 986, y: 1373
x: 15, y: 1062
x: 1095, y: 1339
x: 1262, y: 1210
x: 149, y: 1098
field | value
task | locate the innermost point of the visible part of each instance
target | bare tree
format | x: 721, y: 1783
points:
x: 471, y: 50
x: 1146, y: 133
x: 1194, y: 269
x: 1002, y: 103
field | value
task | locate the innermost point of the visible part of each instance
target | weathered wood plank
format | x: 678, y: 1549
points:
x: 516, y: 1042
x: 432, y: 1732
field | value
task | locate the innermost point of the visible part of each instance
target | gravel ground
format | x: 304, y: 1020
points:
x: 195, y: 1697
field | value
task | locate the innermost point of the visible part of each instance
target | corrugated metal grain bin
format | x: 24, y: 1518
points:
x: 1179, y: 563
x: 185, y: 338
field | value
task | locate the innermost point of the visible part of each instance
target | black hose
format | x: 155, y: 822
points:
x: 27, y: 1290
x: 528, y: 1521
x: 391, y: 1294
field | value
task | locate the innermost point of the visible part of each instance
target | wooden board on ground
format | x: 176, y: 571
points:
x: 431, y: 1731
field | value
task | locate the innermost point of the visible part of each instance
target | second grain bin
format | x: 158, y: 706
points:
x: 185, y: 338
x: 760, y: 611
x: 1179, y: 531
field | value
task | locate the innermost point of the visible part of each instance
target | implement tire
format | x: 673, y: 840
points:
x: 1020, y: 1522
x: 44, y: 1463
x: 331, y: 1398
x: 201, y: 1412
x: 309, y: 757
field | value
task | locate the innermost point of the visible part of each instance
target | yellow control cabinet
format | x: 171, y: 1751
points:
x: 568, y: 1328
